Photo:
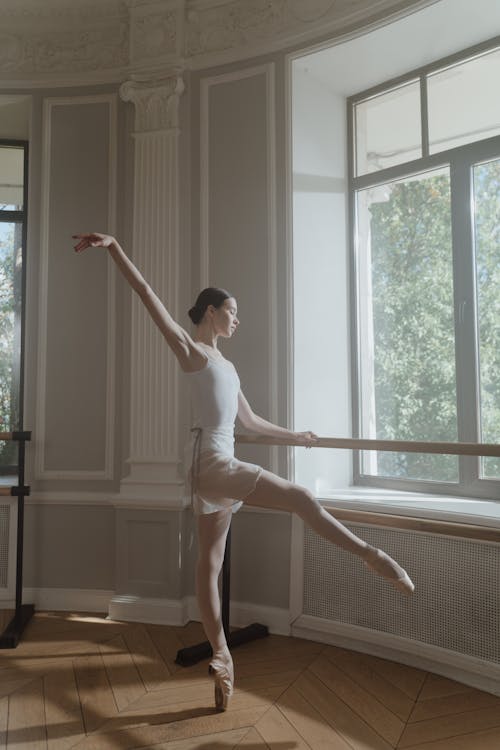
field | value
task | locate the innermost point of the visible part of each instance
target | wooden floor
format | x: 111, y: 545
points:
x: 82, y: 681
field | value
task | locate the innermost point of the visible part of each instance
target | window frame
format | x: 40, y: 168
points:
x: 20, y: 217
x: 460, y: 161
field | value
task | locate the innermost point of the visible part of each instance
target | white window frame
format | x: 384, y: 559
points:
x: 460, y: 161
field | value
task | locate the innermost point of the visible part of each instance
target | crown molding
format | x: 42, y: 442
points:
x: 59, y: 43
x: 218, y: 34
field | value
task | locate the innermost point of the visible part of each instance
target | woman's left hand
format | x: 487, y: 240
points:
x: 307, y: 438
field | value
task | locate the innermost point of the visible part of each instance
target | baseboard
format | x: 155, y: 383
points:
x: 61, y: 600
x: 179, y: 612
x: 152, y: 610
x: 277, y: 620
x: 477, y: 673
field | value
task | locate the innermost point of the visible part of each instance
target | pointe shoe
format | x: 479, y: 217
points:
x: 385, y: 566
x: 224, y: 679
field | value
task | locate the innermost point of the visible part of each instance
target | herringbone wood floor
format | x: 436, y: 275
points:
x: 84, y: 682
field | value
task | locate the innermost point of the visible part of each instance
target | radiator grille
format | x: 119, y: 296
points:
x: 456, y: 604
x: 4, y: 544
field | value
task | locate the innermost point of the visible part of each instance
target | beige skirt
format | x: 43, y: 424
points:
x: 221, y: 482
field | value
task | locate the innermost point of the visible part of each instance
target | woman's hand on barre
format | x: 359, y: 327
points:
x: 94, y: 239
x: 307, y: 438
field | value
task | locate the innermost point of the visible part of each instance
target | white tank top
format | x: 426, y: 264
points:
x: 214, y: 401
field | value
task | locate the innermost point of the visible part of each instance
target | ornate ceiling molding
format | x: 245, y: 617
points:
x: 246, y: 27
x: 68, y: 42
x: 156, y: 32
x: 43, y: 41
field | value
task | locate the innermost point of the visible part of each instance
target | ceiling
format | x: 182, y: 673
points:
x: 446, y: 27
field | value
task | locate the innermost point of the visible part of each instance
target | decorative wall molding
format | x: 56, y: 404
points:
x: 39, y: 466
x: 56, y: 42
x: 69, y: 498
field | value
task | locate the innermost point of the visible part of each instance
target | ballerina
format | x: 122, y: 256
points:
x: 221, y: 483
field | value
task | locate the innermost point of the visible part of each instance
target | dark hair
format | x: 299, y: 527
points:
x: 209, y: 296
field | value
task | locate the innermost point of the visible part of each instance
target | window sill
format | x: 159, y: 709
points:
x: 454, y: 510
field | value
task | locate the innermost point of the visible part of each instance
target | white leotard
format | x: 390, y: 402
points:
x: 214, y: 400
x: 218, y: 480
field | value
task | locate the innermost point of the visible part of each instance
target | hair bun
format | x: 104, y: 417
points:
x: 209, y: 296
x: 194, y: 314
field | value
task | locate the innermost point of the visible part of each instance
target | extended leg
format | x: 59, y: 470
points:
x: 272, y: 491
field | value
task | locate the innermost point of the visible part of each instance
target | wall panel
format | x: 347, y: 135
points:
x: 76, y: 335
x: 237, y: 218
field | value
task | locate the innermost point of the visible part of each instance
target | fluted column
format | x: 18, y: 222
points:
x: 154, y: 449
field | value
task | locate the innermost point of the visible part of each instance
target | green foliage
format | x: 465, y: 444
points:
x: 487, y: 233
x: 413, y: 328
x: 413, y: 320
x: 9, y: 362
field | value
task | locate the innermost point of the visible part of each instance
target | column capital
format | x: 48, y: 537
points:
x: 156, y: 102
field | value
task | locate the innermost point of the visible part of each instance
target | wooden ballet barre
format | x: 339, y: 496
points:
x: 399, y: 446
x: 15, y: 435
x: 14, y: 491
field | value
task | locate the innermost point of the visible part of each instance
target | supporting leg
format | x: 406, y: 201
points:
x: 212, y: 533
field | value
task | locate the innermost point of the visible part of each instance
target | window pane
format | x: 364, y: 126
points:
x: 463, y: 104
x: 11, y: 178
x: 388, y: 129
x: 487, y: 239
x: 407, y: 344
x: 10, y: 333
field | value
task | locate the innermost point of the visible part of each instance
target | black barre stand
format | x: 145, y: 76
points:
x: 186, y: 657
x: 23, y: 612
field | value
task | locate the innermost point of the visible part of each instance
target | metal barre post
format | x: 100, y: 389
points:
x: 400, y: 446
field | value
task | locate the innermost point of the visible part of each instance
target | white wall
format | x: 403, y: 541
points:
x: 320, y: 270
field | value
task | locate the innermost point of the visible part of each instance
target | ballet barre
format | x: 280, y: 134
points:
x: 14, y: 491
x: 449, y: 528
x: 366, y: 444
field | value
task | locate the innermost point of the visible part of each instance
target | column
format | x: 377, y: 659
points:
x: 154, y: 426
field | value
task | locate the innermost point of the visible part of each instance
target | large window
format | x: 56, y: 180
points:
x: 425, y: 220
x: 13, y: 191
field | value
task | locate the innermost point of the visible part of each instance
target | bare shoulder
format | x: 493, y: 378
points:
x: 191, y: 356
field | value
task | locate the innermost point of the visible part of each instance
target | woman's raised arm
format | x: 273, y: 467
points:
x: 190, y: 356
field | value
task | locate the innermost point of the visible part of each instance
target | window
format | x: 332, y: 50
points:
x: 425, y: 227
x: 13, y: 191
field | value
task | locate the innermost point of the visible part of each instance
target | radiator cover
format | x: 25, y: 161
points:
x: 456, y: 604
